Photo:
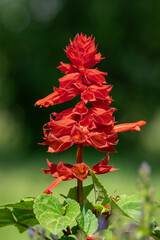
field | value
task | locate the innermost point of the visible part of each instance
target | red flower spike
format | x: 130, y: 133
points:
x: 94, y: 125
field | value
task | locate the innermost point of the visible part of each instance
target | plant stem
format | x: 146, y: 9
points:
x: 79, y: 182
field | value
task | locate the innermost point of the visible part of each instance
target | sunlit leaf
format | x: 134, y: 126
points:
x: 87, y: 221
x: 129, y: 206
x: 48, y: 211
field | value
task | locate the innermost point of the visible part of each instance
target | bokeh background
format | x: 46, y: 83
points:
x: 33, y: 34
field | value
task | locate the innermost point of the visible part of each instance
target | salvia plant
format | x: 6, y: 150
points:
x: 89, y: 123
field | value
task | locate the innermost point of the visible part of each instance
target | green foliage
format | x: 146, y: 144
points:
x: 6, y: 217
x: 19, y: 214
x: 101, y: 196
x: 25, y: 203
x: 131, y: 217
x: 48, y: 211
x: 108, y: 235
x: 129, y: 206
x: 73, y: 192
x: 87, y: 221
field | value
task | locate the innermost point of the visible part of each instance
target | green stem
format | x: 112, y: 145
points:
x: 79, y: 182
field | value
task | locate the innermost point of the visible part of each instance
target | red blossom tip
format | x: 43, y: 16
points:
x: 129, y: 126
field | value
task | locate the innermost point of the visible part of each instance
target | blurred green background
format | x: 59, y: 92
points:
x: 33, y: 34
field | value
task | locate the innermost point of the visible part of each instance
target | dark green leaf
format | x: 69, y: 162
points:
x: 156, y: 233
x: 86, y: 191
x: 87, y: 221
x: 25, y: 203
x: 6, y: 217
x: 24, y: 217
x: 101, y: 196
x: 23, y: 211
x: 49, y: 213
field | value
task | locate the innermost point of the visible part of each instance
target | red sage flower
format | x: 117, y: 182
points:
x: 91, y: 121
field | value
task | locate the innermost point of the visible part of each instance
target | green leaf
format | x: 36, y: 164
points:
x: 23, y: 211
x: 48, y: 211
x: 6, y: 217
x: 69, y: 201
x: 156, y: 233
x: 101, y: 196
x: 73, y: 192
x: 129, y: 206
x: 107, y: 234
x: 87, y: 221
x: 25, y: 203
x: 24, y: 217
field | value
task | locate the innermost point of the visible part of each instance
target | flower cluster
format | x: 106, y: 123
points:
x: 94, y: 125
x: 63, y: 172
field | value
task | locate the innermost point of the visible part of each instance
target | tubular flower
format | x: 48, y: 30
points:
x: 59, y: 95
x: 64, y: 172
x: 94, y: 125
x: 129, y: 126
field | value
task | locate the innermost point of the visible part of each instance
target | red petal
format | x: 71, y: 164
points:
x: 80, y: 171
x: 68, y: 80
x: 67, y: 68
x: 102, y: 167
